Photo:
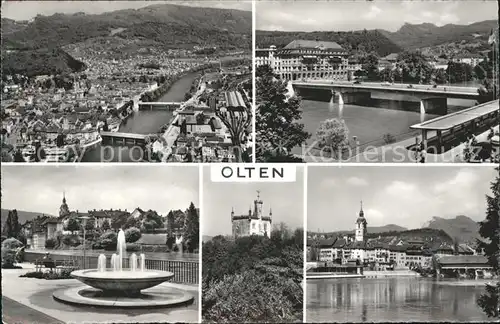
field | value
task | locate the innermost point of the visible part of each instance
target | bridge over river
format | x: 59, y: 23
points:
x: 432, y: 99
x: 156, y: 105
x: 125, y: 138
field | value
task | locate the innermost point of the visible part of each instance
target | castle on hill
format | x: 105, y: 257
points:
x: 253, y: 223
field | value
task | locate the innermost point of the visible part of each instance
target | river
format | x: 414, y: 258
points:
x: 370, y: 122
x: 141, y: 122
x: 400, y: 299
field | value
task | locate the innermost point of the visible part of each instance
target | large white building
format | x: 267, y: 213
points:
x: 308, y: 60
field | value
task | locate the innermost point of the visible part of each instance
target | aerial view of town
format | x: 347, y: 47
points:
x: 253, y: 252
x: 402, y: 244
x: 364, y: 81
x: 126, y: 81
x: 73, y: 250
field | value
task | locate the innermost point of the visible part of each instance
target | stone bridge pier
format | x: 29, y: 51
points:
x: 352, y: 97
x: 435, y: 106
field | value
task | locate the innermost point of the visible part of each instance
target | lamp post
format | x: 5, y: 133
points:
x: 84, y: 224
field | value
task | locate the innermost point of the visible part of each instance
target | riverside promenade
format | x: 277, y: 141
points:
x: 24, y: 299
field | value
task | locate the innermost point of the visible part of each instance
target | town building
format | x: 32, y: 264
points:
x: 254, y: 223
x: 307, y: 60
x: 383, y: 252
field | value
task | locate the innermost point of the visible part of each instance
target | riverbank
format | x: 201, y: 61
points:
x: 331, y: 275
x: 387, y: 274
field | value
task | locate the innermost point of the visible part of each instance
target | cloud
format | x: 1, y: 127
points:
x: 374, y: 12
x: 402, y: 189
x: 376, y: 217
x: 463, y: 178
x: 328, y: 183
x: 447, y: 18
x: 358, y: 182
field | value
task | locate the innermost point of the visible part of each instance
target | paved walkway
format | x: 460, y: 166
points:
x: 17, y: 313
x: 28, y: 297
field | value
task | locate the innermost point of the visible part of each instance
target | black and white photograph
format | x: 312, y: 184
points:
x: 126, y: 81
x: 100, y: 244
x: 402, y: 244
x: 253, y: 251
x: 377, y: 81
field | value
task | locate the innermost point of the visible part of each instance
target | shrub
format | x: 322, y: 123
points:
x: 11, y: 253
x: 71, y: 240
x: 133, y: 247
x: 50, y: 275
x: 50, y: 243
x: 106, y: 241
x: 132, y: 234
x: 332, y: 135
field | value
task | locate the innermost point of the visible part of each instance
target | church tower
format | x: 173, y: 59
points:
x: 361, y: 226
x: 258, y: 206
x: 64, y: 209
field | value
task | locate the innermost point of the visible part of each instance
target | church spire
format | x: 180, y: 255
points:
x: 64, y: 197
x: 361, y: 212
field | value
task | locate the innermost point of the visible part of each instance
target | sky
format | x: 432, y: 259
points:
x: 401, y: 195
x: 285, y: 199
x: 338, y: 15
x: 25, y: 10
x: 40, y: 188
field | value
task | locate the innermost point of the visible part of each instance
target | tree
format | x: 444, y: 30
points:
x: 132, y: 234
x: 192, y: 228
x: 90, y: 224
x: 459, y: 72
x: 277, y: 122
x: 12, y: 228
x: 333, y: 135
x: 440, y: 76
x: 414, y: 67
x: 489, y: 229
x: 72, y: 224
x: 11, y: 252
x: 105, y: 225
x: 369, y: 64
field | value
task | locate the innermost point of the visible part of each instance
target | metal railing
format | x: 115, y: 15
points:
x: 185, y: 272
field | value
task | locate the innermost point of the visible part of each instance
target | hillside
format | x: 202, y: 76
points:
x: 461, y: 228
x: 169, y: 25
x: 22, y: 215
x: 366, y: 40
x: 370, y: 229
x: 40, y: 62
x: 417, y: 36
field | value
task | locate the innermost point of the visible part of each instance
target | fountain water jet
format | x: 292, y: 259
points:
x: 143, y: 262
x: 133, y: 262
x: 101, y: 263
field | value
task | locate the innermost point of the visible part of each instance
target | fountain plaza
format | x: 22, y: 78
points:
x: 118, y: 294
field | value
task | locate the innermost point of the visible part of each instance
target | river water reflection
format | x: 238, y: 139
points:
x: 400, y: 299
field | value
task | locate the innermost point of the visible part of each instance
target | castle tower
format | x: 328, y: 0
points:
x: 64, y: 209
x: 361, y: 224
x: 258, y: 206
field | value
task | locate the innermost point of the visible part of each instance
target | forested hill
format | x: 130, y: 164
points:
x: 366, y: 40
x: 167, y: 24
x: 412, y: 37
x: 40, y: 62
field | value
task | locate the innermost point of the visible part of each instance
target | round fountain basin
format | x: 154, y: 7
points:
x: 125, y: 281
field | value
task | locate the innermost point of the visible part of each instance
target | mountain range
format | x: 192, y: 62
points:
x: 168, y: 25
x: 460, y: 228
x: 415, y: 36
x: 408, y: 37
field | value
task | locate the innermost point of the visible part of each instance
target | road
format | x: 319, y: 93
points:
x: 17, y: 313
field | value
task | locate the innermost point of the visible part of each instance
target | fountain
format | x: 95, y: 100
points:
x: 119, y: 286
